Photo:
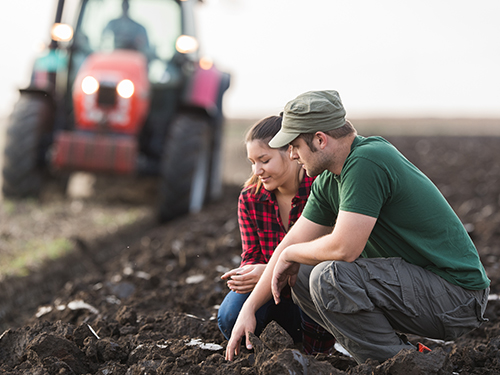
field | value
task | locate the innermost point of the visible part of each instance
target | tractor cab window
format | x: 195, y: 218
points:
x: 148, y: 26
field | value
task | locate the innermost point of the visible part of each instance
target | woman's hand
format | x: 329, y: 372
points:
x: 243, y: 280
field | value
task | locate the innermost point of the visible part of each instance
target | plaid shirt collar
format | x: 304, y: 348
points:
x: 304, y: 188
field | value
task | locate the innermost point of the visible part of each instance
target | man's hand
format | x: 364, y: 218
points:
x: 284, y: 272
x: 243, y: 279
x: 244, y: 324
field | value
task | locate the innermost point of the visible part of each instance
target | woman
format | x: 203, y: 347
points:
x: 269, y: 204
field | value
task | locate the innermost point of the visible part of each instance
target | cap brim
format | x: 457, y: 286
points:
x: 282, y: 139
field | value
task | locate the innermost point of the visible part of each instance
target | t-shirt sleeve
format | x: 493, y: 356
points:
x: 365, y: 187
x: 319, y: 208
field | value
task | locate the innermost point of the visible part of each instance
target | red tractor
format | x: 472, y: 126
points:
x: 121, y: 90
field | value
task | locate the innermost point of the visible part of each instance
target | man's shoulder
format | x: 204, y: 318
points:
x: 373, y: 148
x: 374, y: 142
x: 324, y: 179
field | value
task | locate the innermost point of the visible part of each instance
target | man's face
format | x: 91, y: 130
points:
x: 313, y: 162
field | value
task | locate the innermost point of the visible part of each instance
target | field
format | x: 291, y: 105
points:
x: 94, y: 285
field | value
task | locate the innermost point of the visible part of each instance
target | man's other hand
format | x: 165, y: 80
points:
x: 244, y: 324
x: 284, y: 272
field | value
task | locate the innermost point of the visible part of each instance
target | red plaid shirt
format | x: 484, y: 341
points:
x: 260, y: 223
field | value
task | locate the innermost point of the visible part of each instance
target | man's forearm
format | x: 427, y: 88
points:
x: 262, y: 291
x: 303, y: 231
x: 298, y: 234
x: 345, y: 243
x: 315, y: 252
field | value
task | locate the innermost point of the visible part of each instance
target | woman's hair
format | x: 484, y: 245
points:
x: 264, y: 131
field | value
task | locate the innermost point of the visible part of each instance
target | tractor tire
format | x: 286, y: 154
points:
x: 185, y: 166
x: 23, y: 169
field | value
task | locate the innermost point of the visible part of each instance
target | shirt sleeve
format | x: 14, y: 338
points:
x: 251, y: 251
x: 365, y: 188
x: 322, y: 207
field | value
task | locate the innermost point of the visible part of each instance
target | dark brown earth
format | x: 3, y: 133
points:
x: 143, y: 299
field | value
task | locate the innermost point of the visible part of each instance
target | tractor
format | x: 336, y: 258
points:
x: 121, y: 89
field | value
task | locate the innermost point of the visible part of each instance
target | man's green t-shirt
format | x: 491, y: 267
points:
x: 414, y: 220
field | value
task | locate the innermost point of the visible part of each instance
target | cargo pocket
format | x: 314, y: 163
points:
x: 368, y: 283
x: 390, y: 284
x: 461, y: 320
x: 340, y: 292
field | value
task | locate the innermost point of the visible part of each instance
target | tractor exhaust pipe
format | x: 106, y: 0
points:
x: 59, y: 11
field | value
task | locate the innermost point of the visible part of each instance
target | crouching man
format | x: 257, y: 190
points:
x: 378, y: 251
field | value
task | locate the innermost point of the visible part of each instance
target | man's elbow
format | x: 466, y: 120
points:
x: 347, y: 254
x: 351, y: 258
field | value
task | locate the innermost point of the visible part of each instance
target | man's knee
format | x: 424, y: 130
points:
x: 334, y: 286
x: 317, y: 276
x: 318, y: 282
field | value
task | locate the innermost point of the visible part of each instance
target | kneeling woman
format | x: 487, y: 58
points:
x: 269, y: 204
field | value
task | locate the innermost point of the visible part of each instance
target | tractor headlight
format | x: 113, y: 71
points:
x: 125, y: 88
x: 186, y: 44
x: 206, y: 63
x: 61, y: 32
x: 90, y: 85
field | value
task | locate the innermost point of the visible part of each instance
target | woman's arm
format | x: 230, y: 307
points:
x: 251, y: 250
x: 244, y: 278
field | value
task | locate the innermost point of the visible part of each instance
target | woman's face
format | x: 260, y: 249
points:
x: 273, y: 167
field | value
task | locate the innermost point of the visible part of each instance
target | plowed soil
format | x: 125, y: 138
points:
x: 143, y: 299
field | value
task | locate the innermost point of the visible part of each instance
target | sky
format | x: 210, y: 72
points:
x: 426, y: 58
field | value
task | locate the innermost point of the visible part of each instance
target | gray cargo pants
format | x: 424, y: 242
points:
x: 364, y: 303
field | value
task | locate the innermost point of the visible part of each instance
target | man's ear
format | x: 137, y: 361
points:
x: 321, y: 139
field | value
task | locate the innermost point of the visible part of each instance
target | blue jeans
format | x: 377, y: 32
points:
x: 286, y: 314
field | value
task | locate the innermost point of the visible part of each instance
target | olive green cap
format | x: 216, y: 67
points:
x: 308, y: 113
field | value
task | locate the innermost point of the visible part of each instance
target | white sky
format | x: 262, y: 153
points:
x: 385, y: 57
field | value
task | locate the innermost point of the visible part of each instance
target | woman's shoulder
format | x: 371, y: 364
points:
x: 247, y: 190
x: 250, y: 193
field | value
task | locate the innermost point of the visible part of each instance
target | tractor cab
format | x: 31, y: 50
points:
x: 154, y: 28
x: 122, y: 90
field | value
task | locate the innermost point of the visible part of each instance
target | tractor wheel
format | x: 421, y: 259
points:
x: 23, y: 154
x: 184, y: 167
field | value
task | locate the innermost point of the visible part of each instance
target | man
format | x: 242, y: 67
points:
x: 127, y: 33
x: 377, y: 252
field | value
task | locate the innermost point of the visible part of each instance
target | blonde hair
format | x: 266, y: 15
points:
x: 264, y: 130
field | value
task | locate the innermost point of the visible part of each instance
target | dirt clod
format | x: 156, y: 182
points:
x: 275, y: 337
